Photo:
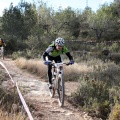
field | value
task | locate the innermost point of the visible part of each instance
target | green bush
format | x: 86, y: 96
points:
x: 115, y: 47
x: 91, y: 95
x: 115, y: 113
x: 26, y: 54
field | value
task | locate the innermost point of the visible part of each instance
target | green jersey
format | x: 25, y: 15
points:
x: 51, y: 50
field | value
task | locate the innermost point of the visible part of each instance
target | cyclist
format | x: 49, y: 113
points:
x: 53, y: 52
x: 2, y: 43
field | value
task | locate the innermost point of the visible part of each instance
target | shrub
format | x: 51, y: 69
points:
x: 115, y: 113
x: 10, y: 104
x: 115, y: 47
x: 91, y: 95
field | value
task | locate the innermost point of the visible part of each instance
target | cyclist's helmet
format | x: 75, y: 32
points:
x: 59, y: 41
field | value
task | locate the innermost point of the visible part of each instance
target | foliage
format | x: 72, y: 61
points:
x: 27, y: 22
x: 114, y: 47
x: 91, y: 95
x: 98, y: 89
x: 115, y: 113
x: 12, y: 21
x: 102, y: 21
x: 26, y: 54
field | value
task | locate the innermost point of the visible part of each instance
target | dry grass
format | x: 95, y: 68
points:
x: 35, y: 66
x: 17, y: 116
x: 74, y: 72
x: 10, y: 105
x: 95, y: 69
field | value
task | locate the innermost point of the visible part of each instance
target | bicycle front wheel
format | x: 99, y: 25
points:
x: 61, y: 90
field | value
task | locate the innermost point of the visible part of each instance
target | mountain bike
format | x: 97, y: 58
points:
x: 58, y: 82
x: 2, y: 52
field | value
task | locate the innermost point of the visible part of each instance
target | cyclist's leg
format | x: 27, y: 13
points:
x: 57, y: 60
x: 50, y: 72
x: 0, y: 50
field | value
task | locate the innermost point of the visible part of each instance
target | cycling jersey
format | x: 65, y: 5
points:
x: 53, y: 52
x: 1, y: 42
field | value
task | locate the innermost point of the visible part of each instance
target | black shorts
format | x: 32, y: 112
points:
x: 55, y: 59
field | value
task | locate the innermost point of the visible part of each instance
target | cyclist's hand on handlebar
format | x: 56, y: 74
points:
x: 47, y: 62
x: 71, y: 62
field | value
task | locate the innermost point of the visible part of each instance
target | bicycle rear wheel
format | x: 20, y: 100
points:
x: 2, y: 52
x: 61, y: 90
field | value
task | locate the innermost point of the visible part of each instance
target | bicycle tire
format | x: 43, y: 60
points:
x: 61, y: 90
x: 2, y: 52
x: 52, y: 91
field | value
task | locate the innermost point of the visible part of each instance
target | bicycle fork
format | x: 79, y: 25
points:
x: 59, y: 76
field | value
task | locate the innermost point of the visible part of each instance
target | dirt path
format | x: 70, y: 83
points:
x: 37, y: 95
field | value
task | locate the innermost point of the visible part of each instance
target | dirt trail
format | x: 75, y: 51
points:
x: 37, y: 94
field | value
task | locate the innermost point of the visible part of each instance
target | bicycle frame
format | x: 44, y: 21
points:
x: 58, y: 68
x: 58, y: 82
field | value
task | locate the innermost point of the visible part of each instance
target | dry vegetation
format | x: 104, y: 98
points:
x: 98, y: 84
x: 10, y: 105
x: 15, y: 116
x: 35, y: 66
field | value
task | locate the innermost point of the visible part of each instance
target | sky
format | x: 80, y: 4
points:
x: 75, y: 4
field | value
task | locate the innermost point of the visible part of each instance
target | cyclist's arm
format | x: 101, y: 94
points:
x: 66, y: 51
x: 46, y: 53
x: 3, y: 42
x: 69, y: 56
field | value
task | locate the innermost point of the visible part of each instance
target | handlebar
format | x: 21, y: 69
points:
x: 68, y: 63
x: 59, y: 64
